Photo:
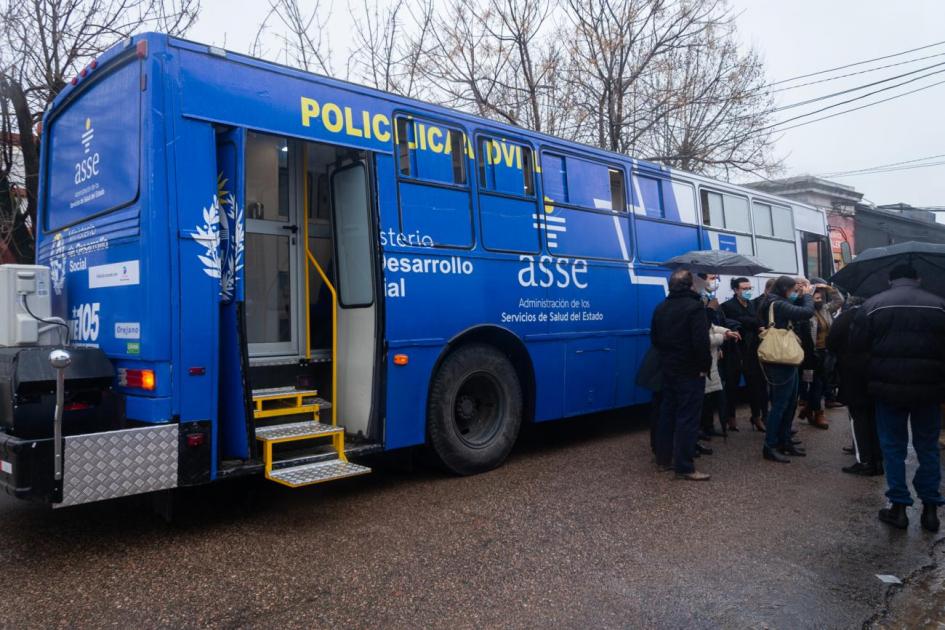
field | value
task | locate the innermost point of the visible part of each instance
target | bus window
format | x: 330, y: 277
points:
x: 730, y: 215
x: 505, y: 167
x: 93, y: 161
x: 582, y: 183
x: 431, y: 151
x: 651, y: 198
x: 507, y: 204
x: 774, y: 232
x: 617, y: 195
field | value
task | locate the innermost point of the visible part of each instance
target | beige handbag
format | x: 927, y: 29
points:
x: 779, y: 346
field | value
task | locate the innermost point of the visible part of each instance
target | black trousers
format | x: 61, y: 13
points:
x: 743, y: 361
x: 865, y: 436
x: 678, y: 428
x: 711, y: 406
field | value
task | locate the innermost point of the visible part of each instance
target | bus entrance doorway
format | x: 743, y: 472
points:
x: 310, y: 309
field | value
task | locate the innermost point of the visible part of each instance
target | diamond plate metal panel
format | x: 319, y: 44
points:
x: 100, y: 466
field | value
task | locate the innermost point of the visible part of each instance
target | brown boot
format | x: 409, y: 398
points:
x: 818, y: 420
x: 804, y: 413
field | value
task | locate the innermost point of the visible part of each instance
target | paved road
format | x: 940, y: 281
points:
x: 577, y: 530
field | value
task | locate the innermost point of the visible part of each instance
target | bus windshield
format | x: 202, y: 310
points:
x: 94, y: 150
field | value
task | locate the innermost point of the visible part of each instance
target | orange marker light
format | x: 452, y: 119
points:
x: 400, y: 359
x: 147, y: 379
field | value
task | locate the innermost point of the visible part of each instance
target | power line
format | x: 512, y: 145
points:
x: 856, y: 89
x: 858, y: 63
x: 879, y: 166
x: 853, y: 109
x: 772, y: 128
x: 858, y: 72
x: 848, y: 101
x: 881, y: 171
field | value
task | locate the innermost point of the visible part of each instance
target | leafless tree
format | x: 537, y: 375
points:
x: 301, y: 33
x: 499, y: 59
x: 388, y: 46
x: 719, y: 109
x: 46, y: 42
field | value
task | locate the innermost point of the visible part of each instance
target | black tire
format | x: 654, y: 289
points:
x: 475, y: 409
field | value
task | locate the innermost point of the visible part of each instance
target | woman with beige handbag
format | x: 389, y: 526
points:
x: 780, y: 354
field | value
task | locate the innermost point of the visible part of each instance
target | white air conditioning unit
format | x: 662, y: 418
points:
x: 24, y: 301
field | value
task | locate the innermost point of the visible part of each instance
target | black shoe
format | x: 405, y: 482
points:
x: 878, y: 470
x: 863, y: 470
x: 930, y: 517
x: 703, y: 450
x: 849, y: 450
x: 774, y: 456
x: 705, y: 437
x: 793, y: 431
x: 794, y: 451
x: 895, y: 515
x: 796, y: 442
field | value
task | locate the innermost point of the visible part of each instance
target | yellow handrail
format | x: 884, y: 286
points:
x: 334, y: 299
x: 305, y: 211
x: 334, y: 336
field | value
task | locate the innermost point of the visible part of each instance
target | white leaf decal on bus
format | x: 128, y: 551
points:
x: 222, y: 237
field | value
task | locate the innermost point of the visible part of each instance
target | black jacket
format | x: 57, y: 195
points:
x: 903, y: 331
x: 747, y: 318
x: 680, y: 332
x: 786, y: 312
x: 852, y: 365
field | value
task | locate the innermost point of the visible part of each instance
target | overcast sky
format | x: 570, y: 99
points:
x: 795, y: 37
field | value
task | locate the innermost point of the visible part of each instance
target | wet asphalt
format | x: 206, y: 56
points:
x: 576, y: 530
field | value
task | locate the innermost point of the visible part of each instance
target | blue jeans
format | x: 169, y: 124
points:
x: 782, y: 384
x: 892, y: 423
x: 678, y: 429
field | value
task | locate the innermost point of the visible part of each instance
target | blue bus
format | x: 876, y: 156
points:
x: 285, y: 272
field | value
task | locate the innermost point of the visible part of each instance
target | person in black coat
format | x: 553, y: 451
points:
x: 903, y: 331
x: 741, y: 357
x: 680, y: 333
x: 790, y: 309
x: 853, y: 381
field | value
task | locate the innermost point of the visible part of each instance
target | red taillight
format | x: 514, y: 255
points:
x: 74, y: 81
x: 142, y: 49
x: 139, y: 379
x: 195, y: 439
x: 93, y: 65
x: 76, y: 406
x: 84, y: 73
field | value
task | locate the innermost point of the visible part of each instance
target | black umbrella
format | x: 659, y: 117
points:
x: 868, y: 274
x: 716, y: 261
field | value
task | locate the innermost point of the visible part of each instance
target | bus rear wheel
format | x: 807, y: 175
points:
x: 475, y: 409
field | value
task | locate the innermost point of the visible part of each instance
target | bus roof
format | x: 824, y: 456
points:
x: 160, y: 39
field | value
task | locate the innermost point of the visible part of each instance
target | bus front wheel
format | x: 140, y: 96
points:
x: 475, y: 409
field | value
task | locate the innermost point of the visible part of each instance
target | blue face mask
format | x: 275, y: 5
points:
x: 746, y: 295
x: 793, y: 296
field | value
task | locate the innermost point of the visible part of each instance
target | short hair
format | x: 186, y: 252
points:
x: 737, y: 281
x: 681, y: 279
x: 784, y: 285
x: 904, y: 270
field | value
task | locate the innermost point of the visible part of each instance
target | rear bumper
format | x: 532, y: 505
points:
x: 96, y: 466
x: 26, y: 469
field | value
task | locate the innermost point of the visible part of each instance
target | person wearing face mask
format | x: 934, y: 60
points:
x: 827, y: 301
x: 790, y: 309
x: 707, y: 285
x: 679, y: 331
x: 741, y: 358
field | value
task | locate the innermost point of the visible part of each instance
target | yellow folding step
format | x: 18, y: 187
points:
x: 288, y: 401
